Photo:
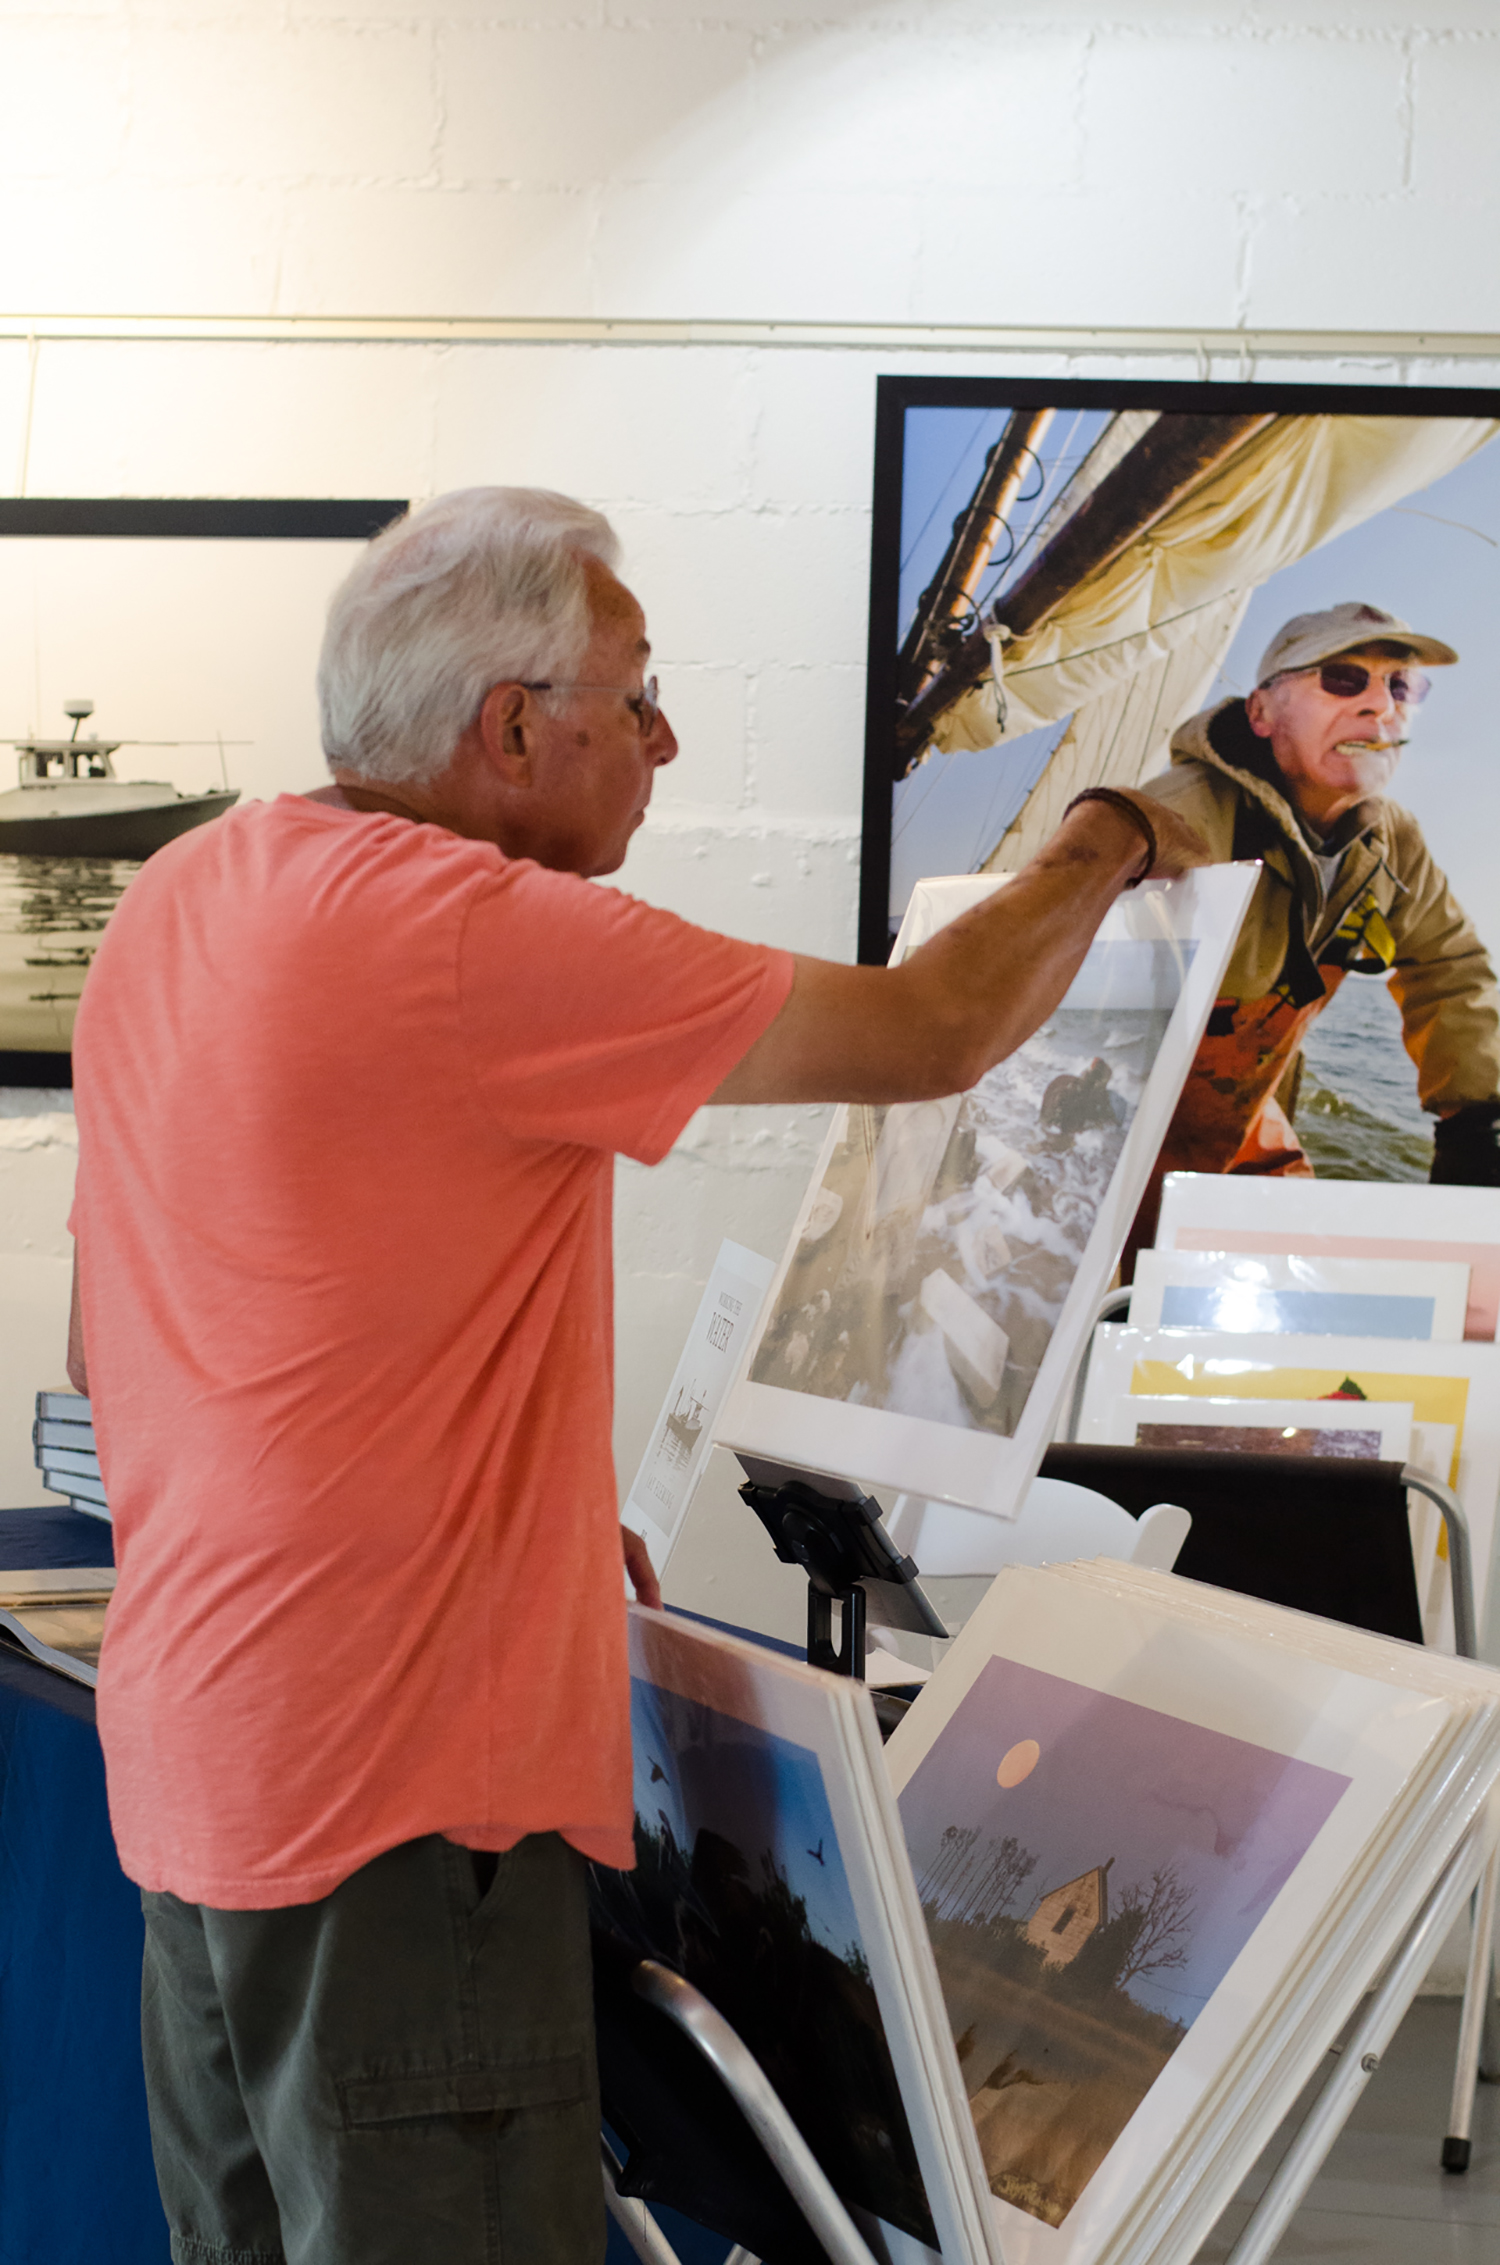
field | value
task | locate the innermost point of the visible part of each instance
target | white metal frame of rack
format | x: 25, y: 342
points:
x: 754, y: 2095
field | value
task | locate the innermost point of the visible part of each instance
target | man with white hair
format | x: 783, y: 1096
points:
x: 1296, y: 775
x: 352, y: 1070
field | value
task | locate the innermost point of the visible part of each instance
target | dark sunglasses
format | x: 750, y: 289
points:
x: 1345, y: 680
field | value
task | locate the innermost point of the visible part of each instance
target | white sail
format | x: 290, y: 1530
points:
x: 1122, y: 738
x: 1295, y: 485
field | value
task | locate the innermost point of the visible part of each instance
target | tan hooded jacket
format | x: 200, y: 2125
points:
x: 1389, y: 907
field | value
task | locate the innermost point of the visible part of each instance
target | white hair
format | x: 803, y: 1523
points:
x: 481, y: 587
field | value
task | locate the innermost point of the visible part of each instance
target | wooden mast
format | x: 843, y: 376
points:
x: 939, y: 624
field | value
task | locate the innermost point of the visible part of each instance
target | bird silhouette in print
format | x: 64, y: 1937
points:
x: 817, y: 1854
x: 658, y: 1774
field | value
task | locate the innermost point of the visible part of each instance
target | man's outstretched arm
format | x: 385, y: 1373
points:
x: 974, y: 992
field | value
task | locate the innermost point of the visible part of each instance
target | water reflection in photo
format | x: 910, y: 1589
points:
x: 53, y: 911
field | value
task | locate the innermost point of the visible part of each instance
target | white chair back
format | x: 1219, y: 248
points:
x: 1058, y: 1522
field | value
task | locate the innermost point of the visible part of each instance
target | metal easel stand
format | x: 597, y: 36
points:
x: 753, y: 2094
x: 638, y: 2226
x: 1478, y: 2040
x: 1112, y: 1305
x: 632, y: 2217
x: 1477, y: 2054
x: 1360, y: 2054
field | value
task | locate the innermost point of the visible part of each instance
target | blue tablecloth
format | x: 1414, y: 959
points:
x: 54, y: 1537
x: 76, y: 2183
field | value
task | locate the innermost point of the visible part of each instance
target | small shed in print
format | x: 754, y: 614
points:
x: 1066, y: 1916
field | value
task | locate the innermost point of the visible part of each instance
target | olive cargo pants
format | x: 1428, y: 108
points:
x: 400, y: 2074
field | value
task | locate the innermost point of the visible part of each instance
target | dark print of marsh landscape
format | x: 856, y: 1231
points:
x: 740, y: 1886
x: 938, y: 1252
x: 1089, y: 1870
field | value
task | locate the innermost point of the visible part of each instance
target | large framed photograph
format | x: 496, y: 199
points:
x: 157, y: 659
x: 949, y: 1256
x: 1065, y: 572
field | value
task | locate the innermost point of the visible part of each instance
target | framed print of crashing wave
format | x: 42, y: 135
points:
x: 1063, y: 573
x: 949, y: 1256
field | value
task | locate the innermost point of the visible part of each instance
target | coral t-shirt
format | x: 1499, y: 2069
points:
x: 349, y: 1092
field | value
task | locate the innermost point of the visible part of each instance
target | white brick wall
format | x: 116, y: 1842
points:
x: 1326, y: 166
x: 959, y: 160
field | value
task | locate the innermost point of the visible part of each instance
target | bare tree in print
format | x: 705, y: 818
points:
x: 1163, y: 1912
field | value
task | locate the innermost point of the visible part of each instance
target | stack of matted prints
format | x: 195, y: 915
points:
x: 1301, y: 1295
x: 1384, y: 1220
x: 1352, y: 1395
x: 1345, y: 1318
x: 1039, y: 1983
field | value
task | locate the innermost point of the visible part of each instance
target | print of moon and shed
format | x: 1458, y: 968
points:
x: 1089, y: 1870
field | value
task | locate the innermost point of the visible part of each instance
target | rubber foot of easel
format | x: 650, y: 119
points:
x: 1456, y: 2154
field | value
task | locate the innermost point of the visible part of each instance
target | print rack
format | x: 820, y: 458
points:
x: 1354, y: 2058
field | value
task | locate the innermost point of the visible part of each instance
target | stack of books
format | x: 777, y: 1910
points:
x: 1039, y: 1982
x: 63, y: 1436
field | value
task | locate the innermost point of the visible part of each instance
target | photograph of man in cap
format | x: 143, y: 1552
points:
x: 1296, y: 775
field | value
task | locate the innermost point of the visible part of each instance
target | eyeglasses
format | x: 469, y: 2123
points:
x: 1345, y: 680
x: 644, y: 705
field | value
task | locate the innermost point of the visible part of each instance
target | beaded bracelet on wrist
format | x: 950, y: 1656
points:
x: 1128, y: 809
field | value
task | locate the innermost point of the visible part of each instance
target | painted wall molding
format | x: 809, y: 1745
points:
x: 1241, y: 346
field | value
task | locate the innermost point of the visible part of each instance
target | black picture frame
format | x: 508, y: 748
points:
x: 175, y: 518
x: 223, y: 518
x: 896, y: 395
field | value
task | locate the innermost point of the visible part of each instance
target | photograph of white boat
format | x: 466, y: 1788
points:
x: 70, y: 803
x: 194, y: 624
x: 72, y: 836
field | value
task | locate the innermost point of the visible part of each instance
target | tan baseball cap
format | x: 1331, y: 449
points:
x: 1312, y: 637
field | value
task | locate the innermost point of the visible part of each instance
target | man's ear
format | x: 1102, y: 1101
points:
x: 503, y: 732
x: 1257, y: 710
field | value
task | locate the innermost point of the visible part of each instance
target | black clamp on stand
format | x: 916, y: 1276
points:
x: 834, y: 1532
